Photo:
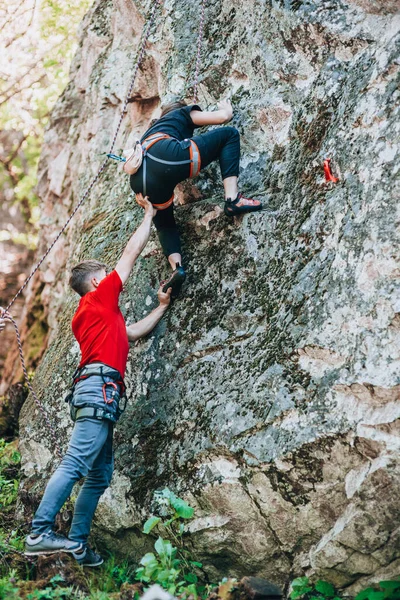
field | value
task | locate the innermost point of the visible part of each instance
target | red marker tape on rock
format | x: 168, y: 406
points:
x: 328, y: 173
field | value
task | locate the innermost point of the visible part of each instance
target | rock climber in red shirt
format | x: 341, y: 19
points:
x: 103, y: 337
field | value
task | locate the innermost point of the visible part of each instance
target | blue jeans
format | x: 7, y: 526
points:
x: 89, y: 455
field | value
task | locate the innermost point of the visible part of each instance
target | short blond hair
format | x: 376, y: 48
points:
x: 82, y: 273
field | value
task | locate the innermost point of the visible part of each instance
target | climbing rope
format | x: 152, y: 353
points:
x: 5, y: 314
x: 198, y: 57
x: 151, y: 19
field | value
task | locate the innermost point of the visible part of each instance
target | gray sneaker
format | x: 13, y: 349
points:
x: 49, y: 543
x: 88, y: 558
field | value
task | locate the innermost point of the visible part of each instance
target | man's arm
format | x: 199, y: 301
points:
x: 138, y: 240
x: 144, y: 326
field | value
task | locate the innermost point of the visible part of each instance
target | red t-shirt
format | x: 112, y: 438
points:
x: 99, y: 326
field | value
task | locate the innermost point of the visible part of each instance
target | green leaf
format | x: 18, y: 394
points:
x: 377, y: 595
x: 389, y: 585
x: 182, y: 508
x: 364, y: 594
x: 159, y: 546
x: 192, y: 590
x: 57, y: 578
x: 191, y: 578
x: 196, y: 564
x: 300, y: 591
x: 163, y: 575
x: 150, y: 524
x: 171, y: 589
x: 325, y: 588
x: 164, y: 548
x: 148, y: 559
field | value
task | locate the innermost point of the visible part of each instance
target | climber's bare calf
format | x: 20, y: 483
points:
x: 98, y: 386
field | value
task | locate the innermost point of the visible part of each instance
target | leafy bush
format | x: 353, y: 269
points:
x: 8, y: 591
x: 303, y: 589
x: 171, y: 566
x: 9, y: 463
x: 390, y: 590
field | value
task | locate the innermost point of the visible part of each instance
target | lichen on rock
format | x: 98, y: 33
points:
x: 269, y: 393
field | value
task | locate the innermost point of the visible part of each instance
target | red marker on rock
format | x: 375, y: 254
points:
x: 328, y: 173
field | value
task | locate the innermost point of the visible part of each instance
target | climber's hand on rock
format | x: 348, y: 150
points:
x: 145, y: 203
x: 164, y: 298
x: 226, y: 106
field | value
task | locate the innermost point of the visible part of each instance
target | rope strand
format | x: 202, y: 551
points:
x: 139, y: 59
x: 198, y: 57
x: 5, y: 313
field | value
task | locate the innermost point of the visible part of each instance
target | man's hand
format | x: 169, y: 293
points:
x: 144, y: 326
x: 164, y: 298
x: 3, y: 318
x: 145, y: 203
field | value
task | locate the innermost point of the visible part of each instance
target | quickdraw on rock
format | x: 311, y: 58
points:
x: 329, y: 176
x: 115, y: 157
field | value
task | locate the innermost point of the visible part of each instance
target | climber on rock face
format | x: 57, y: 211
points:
x: 103, y: 337
x: 176, y: 155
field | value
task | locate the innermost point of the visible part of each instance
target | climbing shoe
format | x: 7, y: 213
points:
x: 175, y: 281
x: 49, y: 543
x: 88, y: 558
x: 241, y: 205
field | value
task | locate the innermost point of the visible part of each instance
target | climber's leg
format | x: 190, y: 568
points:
x: 168, y: 235
x: 221, y: 144
x: 231, y: 186
x: 224, y: 144
x: 97, y: 481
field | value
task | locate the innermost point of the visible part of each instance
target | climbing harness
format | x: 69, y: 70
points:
x: 194, y: 160
x: 93, y: 410
x: 329, y: 176
x: 136, y: 157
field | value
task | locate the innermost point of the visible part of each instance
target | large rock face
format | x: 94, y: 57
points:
x: 269, y: 394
